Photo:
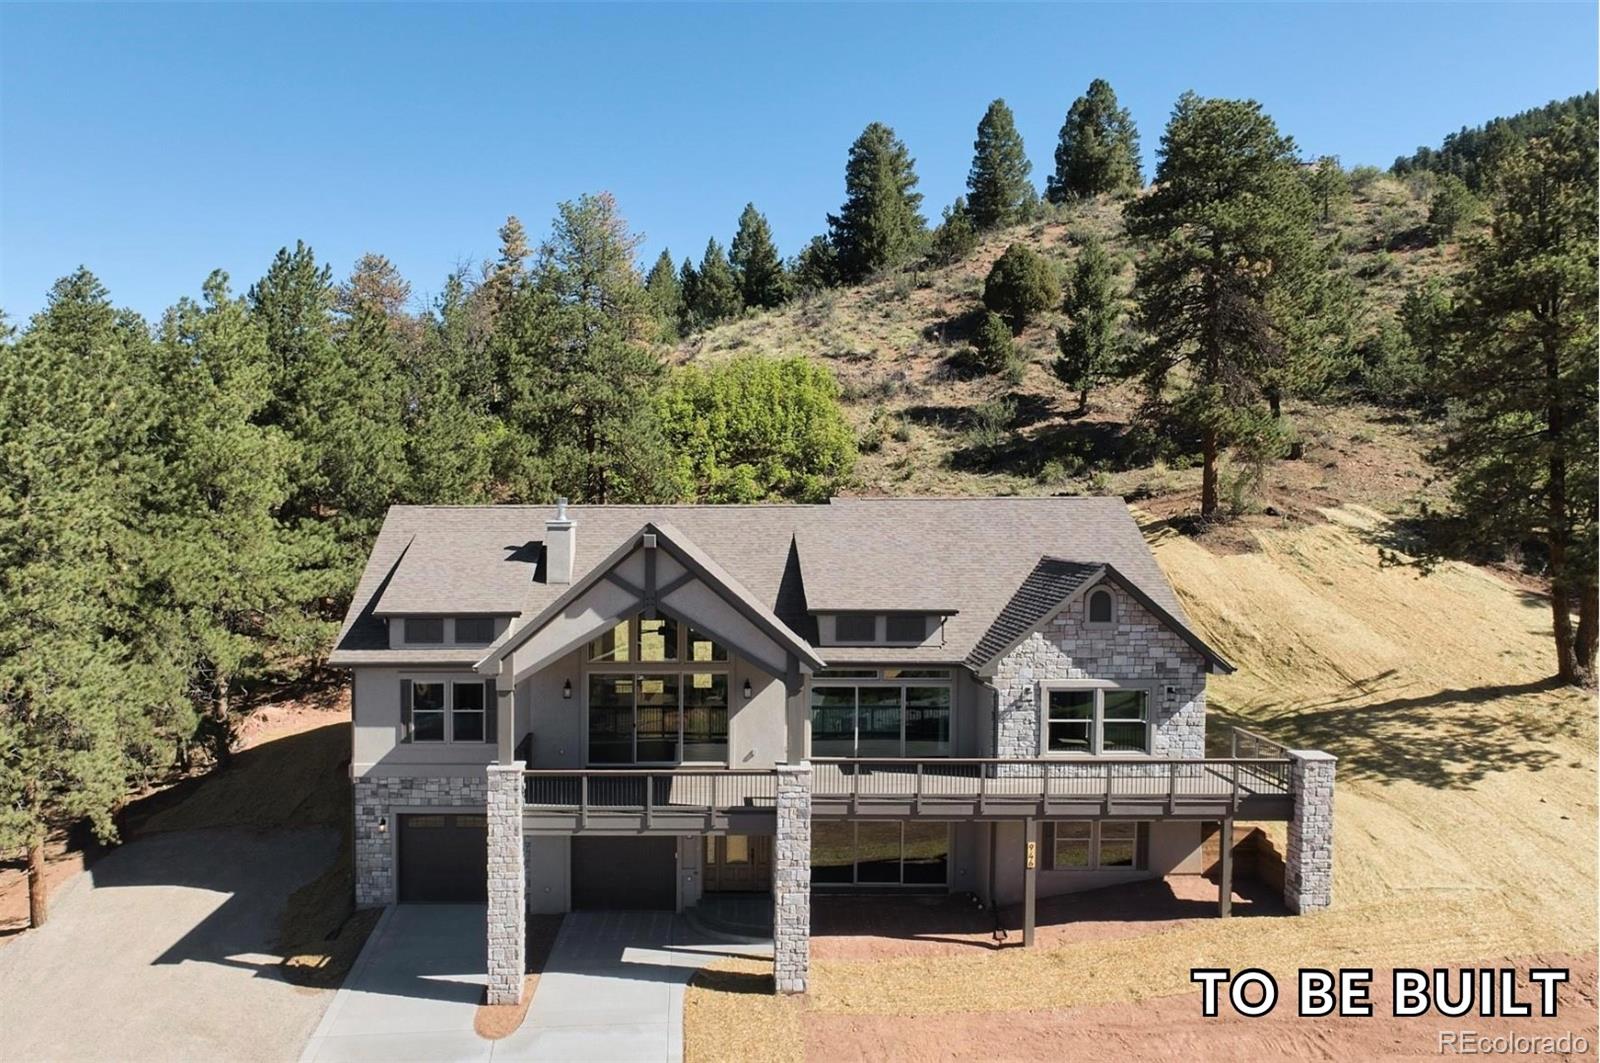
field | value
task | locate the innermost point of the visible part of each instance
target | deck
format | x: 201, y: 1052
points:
x: 688, y: 800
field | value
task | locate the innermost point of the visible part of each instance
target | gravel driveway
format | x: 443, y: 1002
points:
x: 163, y: 950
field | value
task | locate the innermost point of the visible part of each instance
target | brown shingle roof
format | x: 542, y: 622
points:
x: 966, y: 555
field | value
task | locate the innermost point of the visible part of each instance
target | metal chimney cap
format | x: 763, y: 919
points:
x: 561, y: 509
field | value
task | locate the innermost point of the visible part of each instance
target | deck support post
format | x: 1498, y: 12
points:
x: 791, y: 880
x: 1225, y: 878
x: 1030, y: 880
x: 508, y: 882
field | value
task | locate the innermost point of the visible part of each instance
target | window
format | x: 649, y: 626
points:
x: 612, y: 645
x: 656, y: 641
x: 1081, y: 845
x: 656, y: 719
x: 466, y: 712
x: 424, y: 630
x: 703, y: 648
x: 905, y: 628
x: 854, y: 627
x: 474, y: 630
x: 1101, y: 606
x: 880, y: 720
x: 1096, y: 720
x: 705, y: 717
x: 879, y: 854
x: 611, y: 719
x: 447, y: 710
x: 664, y: 718
x: 427, y: 712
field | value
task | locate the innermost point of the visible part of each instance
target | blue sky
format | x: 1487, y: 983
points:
x: 156, y: 143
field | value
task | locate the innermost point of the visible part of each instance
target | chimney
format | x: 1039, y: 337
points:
x: 560, y: 543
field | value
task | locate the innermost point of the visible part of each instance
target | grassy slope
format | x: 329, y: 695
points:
x: 1466, y: 815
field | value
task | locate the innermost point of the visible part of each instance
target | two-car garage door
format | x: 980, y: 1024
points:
x: 443, y: 859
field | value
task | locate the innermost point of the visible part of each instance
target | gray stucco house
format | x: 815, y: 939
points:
x: 636, y: 706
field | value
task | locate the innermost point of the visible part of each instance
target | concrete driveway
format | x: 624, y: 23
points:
x: 163, y: 950
x: 611, y: 990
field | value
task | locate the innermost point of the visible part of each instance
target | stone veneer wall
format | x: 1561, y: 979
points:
x: 376, y: 798
x: 1308, y: 865
x: 791, y: 880
x: 508, y: 883
x: 1137, y: 647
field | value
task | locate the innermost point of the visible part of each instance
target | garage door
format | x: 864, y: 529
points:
x: 637, y: 874
x: 443, y: 859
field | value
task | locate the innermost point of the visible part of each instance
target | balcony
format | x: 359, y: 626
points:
x: 988, y: 788
x: 646, y: 801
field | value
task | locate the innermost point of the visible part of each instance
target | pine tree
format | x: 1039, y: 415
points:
x: 1094, y: 314
x: 1329, y: 185
x: 666, y: 294
x: 1233, y: 284
x: 90, y: 696
x: 879, y: 225
x: 816, y: 267
x: 449, y: 432
x: 997, y: 185
x: 1098, y: 151
x: 956, y: 237
x: 715, y: 295
x: 756, y: 264
x: 1522, y: 383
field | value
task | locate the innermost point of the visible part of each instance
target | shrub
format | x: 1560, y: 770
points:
x: 991, y: 422
x: 1020, y: 285
x: 1362, y: 177
x: 992, y: 348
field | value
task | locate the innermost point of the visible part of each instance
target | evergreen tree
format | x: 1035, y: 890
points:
x: 90, y: 697
x: 450, y: 436
x: 222, y: 571
x: 1233, y: 285
x: 1329, y: 185
x: 714, y: 295
x: 688, y: 286
x: 1020, y: 285
x: 756, y: 265
x: 997, y: 185
x: 879, y: 225
x: 1094, y: 314
x: 1098, y: 151
x: 666, y: 294
x: 816, y: 267
x: 956, y: 237
x: 1452, y: 206
x: 1472, y: 154
x: 1522, y: 383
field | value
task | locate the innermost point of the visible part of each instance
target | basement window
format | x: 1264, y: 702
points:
x: 1104, y: 845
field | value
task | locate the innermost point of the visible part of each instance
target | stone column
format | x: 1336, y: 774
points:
x: 1308, y: 866
x: 791, y: 880
x: 508, y: 882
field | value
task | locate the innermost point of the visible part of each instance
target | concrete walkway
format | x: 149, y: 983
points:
x: 611, y: 990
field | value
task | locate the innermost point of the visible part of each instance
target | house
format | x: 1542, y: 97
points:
x: 637, y: 706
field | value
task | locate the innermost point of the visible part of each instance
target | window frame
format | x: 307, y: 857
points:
x: 405, y: 631
x: 920, y: 678
x: 408, y: 682
x: 1140, y: 842
x: 680, y: 667
x: 455, y: 631
x: 890, y: 618
x: 1097, y: 725
x: 1088, y: 607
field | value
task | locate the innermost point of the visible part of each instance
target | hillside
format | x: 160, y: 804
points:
x: 927, y: 428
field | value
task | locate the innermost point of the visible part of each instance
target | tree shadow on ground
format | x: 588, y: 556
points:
x: 1077, y: 445
x: 1446, y: 739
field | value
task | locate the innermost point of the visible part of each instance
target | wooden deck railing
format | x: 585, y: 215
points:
x: 653, y: 798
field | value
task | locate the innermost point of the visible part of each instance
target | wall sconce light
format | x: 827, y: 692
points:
x: 747, y: 691
x: 383, y: 824
x: 566, y: 690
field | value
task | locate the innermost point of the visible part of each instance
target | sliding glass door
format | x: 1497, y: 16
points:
x: 658, y: 719
x: 867, y: 854
x: 880, y: 720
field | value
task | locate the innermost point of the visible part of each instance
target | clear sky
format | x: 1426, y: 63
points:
x: 156, y: 143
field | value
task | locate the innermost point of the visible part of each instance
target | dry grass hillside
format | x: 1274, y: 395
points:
x: 1465, y: 816
x: 926, y: 427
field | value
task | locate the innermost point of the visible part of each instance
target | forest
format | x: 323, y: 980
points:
x: 185, y: 503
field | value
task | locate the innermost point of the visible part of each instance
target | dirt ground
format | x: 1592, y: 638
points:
x: 1465, y: 832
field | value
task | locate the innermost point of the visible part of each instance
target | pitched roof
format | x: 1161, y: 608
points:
x: 969, y: 555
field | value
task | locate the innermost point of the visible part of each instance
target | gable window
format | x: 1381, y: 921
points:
x: 425, y: 630
x: 1102, y: 607
x: 644, y: 707
x: 1099, y: 719
x: 855, y: 627
x: 474, y: 630
x: 653, y: 641
x: 447, y: 710
x: 903, y: 628
x: 1103, y: 845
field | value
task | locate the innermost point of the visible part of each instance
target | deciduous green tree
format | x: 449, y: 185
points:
x: 1098, y: 150
x: 879, y: 225
x: 752, y: 429
x: 998, y: 192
